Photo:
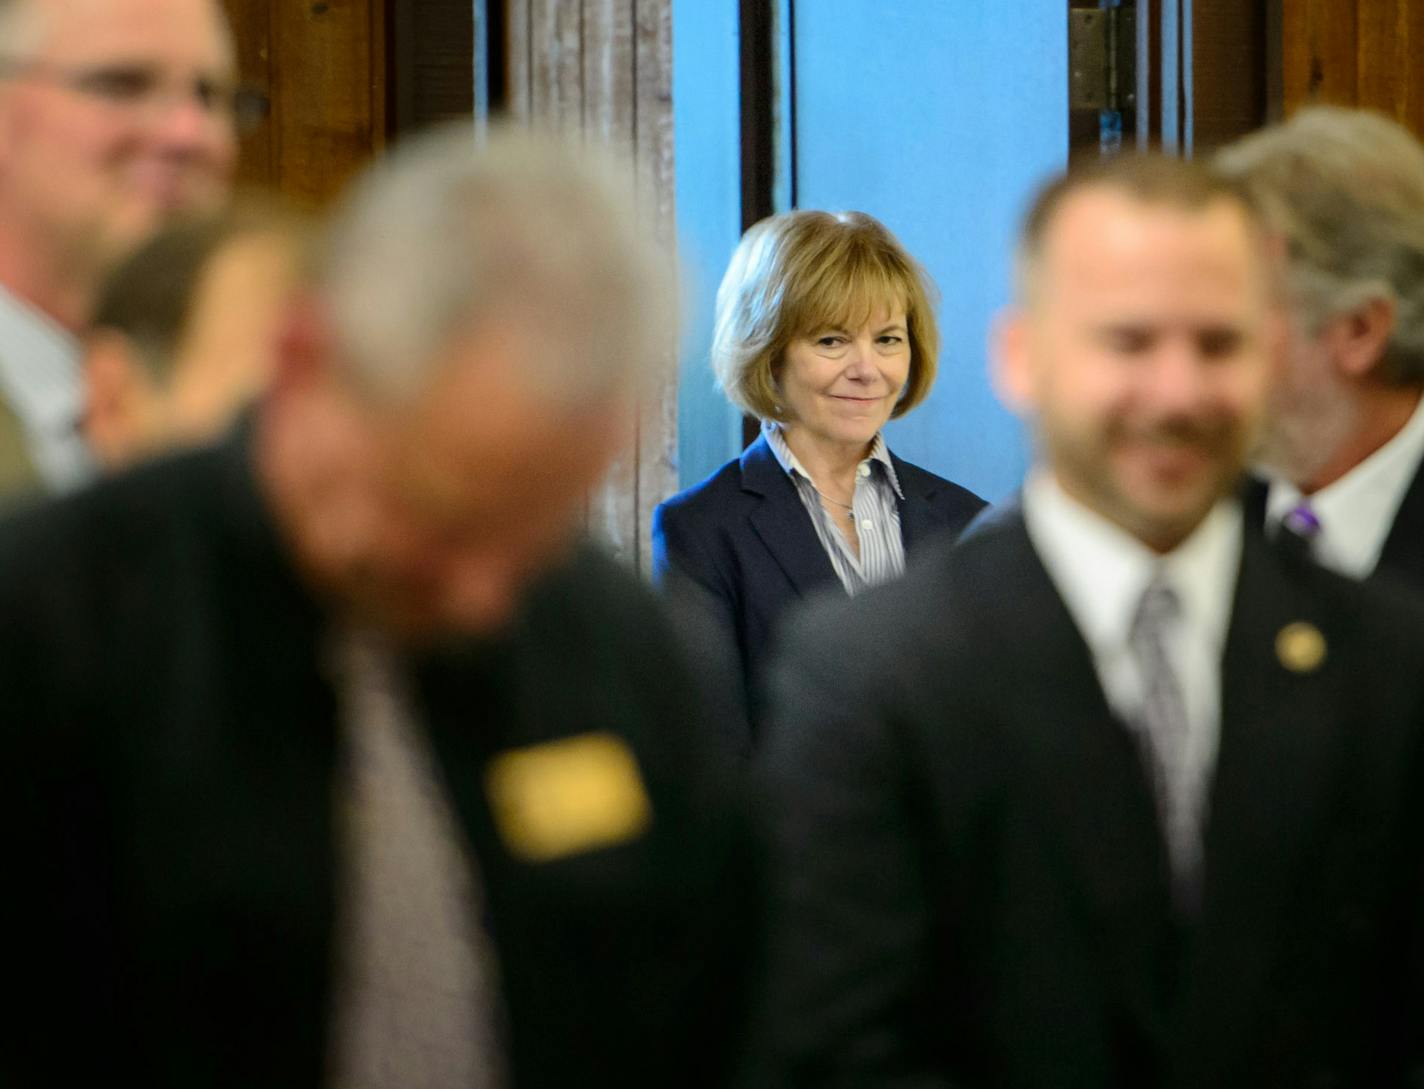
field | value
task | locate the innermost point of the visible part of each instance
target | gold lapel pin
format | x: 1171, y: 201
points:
x: 1300, y: 647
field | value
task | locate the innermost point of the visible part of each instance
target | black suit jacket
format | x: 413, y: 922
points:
x: 170, y: 747
x: 971, y: 883
x: 1403, y: 555
x: 744, y: 539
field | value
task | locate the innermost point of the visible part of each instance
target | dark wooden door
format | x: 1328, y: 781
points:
x: 1366, y: 53
x: 342, y: 77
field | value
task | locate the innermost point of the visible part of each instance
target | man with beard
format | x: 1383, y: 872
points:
x: 115, y: 115
x: 1344, y: 442
x: 1113, y: 794
x: 329, y: 755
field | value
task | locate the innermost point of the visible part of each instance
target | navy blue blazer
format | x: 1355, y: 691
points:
x: 744, y: 539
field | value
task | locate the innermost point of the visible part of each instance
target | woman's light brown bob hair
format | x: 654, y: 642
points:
x: 799, y: 273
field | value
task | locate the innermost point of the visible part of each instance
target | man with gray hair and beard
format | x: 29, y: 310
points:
x: 331, y: 758
x: 1345, y: 435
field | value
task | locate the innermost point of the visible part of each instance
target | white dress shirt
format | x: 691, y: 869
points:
x: 1357, y: 511
x: 1101, y: 571
x: 874, y: 505
x: 41, y: 380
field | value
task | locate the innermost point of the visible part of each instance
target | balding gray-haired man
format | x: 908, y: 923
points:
x: 330, y: 758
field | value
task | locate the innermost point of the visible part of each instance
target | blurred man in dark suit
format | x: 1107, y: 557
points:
x: 115, y: 116
x: 330, y: 757
x: 1345, y: 437
x: 1112, y: 795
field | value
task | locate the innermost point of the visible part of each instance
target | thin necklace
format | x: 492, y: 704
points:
x: 828, y: 499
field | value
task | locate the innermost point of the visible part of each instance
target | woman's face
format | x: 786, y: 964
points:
x: 839, y: 386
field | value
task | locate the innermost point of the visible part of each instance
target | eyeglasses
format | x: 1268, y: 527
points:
x: 138, y: 89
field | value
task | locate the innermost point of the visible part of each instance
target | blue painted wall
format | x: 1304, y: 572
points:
x: 939, y: 119
x: 707, y: 150
x: 936, y: 116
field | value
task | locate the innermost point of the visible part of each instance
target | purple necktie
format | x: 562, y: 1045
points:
x: 1300, y: 528
x: 1302, y: 521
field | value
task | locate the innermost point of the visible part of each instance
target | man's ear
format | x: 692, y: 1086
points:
x: 1357, y: 339
x: 302, y: 343
x: 118, y: 399
x: 1011, y: 360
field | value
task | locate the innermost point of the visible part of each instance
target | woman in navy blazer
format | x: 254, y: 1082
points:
x: 824, y: 331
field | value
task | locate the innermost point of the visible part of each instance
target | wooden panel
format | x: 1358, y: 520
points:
x: 517, y: 44
x: 322, y: 63
x: 608, y: 73
x: 1414, y: 49
x: 328, y: 93
x: 608, y: 63
x: 657, y: 438
x: 1319, y: 51
x: 431, y: 47
x: 442, y: 60
x: 1228, y: 71
x: 556, y: 62
x: 1390, y: 67
x: 604, y: 68
x: 252, y: 38
x: 1366, y: 53
x: 1381, y: 59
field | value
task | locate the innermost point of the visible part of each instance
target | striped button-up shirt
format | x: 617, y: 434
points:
x: 876, y: 511
x: 41, y: 379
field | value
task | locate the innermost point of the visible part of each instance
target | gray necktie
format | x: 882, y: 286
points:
x: 1162, y: 724
x: 414, y: 996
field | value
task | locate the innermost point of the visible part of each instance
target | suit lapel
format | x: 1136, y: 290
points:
x: 1086, y: 769
x: 1404, y: 547
x: 915, y: 520
x: 1253, y: 503
x: 1278, y: 743
x: 781, y: 522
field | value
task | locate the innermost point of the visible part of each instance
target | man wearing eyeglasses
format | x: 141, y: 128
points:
x: 115, y: 117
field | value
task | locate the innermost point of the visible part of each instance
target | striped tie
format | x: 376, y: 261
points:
x: 1162, y: 730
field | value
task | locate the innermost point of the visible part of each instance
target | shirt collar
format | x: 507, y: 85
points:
x: 39, y: 368
x: 1101, y: 570
x: 1357, y: 511
x: 781, y: 450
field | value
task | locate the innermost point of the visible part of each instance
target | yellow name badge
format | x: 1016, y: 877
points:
x: 565, y: 797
